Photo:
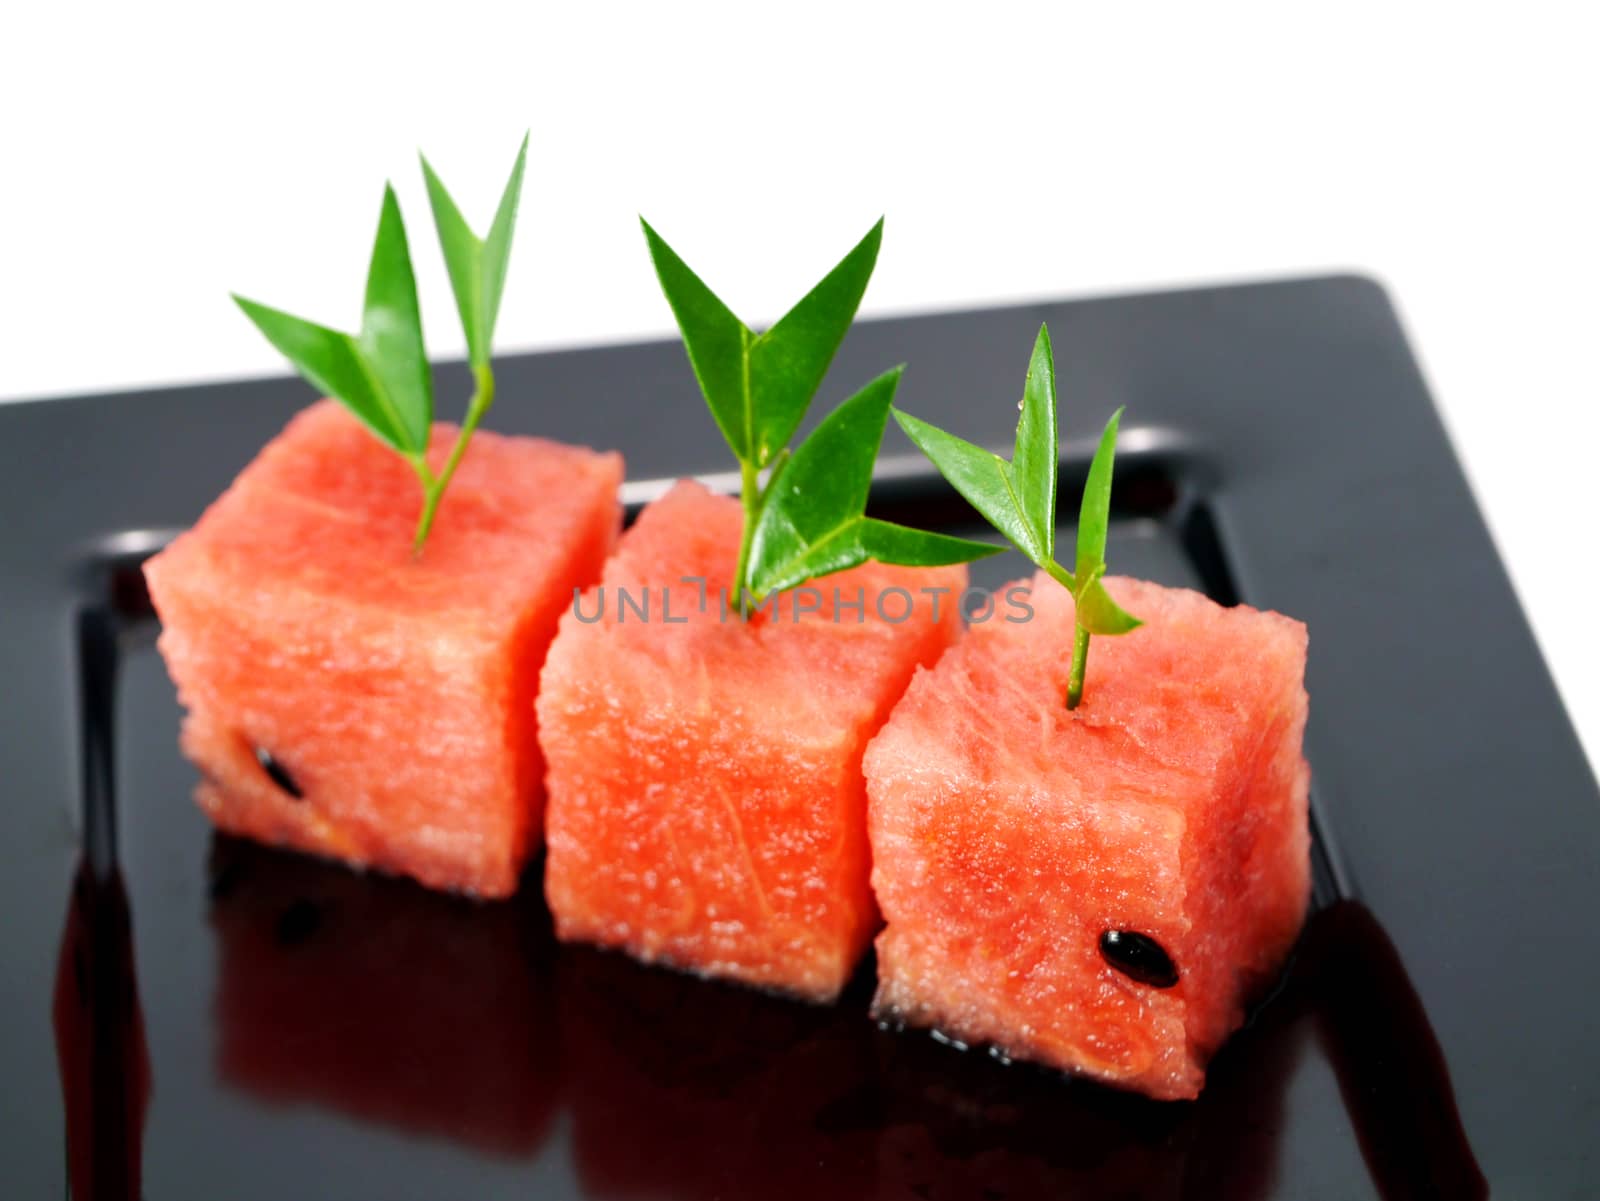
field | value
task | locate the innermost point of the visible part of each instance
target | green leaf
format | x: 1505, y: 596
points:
x: 890, y: 543
x: 335, y: 364
x: 1099, y: 614
x: 759, y: 388
x: 1035, y: 460
x: 983, y: 477
x: 381, y: 375
x: 1017, y: 498
x: 812, y: 521
x: 477, y: 267
x: 497, y: 246
x: 717, y: 342
x: 788, y: 361
x: 1094, y: 516
x: 391, y: 329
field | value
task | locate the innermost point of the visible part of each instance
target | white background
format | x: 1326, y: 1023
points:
x: 157, y: 156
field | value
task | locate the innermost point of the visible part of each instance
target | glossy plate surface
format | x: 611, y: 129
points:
x: 188, y: 1016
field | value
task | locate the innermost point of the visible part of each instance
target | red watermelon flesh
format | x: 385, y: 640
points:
x: 1009, y: 833
x: 395, y: 692
x: 707, y: 808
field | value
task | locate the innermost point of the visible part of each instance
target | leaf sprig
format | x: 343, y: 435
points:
x: 1019, y: 499
x: 808, y: 519
x: 381, y: 374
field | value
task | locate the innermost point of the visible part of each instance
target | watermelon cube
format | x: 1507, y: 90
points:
x: 349, y: 699
x: 706, y: 804
x: 1103, y: 889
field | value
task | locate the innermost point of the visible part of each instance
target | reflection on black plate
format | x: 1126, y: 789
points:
x: 380, y: 1001
x: 375, y: 998
x: 100, y: 1044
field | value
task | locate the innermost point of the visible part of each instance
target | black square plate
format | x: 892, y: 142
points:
x: 186, y: 1016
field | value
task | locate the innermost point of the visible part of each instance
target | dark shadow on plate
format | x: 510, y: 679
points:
x: 383, y: 1001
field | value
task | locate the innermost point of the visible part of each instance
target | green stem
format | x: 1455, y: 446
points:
x: 1061, y: 576
x: 1080, y: 659
x: 1080, y: 636
x: 433, y: 486
x: 750, y: 498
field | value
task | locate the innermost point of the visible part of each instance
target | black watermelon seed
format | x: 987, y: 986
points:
x: 298, y: 922
x: 279, y: 773
x: 1140, y: 957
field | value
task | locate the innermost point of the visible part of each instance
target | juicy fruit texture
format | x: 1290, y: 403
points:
x: 707, y: 808
x: 1009, y: 833
x: 395, y: 693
